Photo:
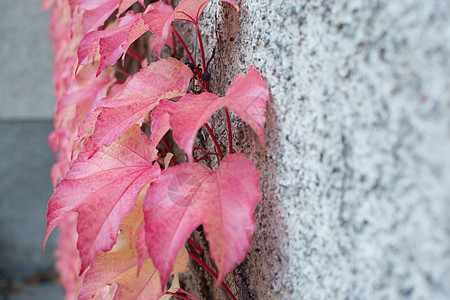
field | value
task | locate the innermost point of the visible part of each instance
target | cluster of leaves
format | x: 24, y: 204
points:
x: 125, y: 207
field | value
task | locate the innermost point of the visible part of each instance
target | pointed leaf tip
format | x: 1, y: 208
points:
x: 191, y: 194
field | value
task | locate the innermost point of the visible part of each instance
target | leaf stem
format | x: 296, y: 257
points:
x: 189, y: 294
x: 205, y: 156
x: 163, y: 152
x: 184, y: 45
x: 230, y: 137
x: 133, y: 53
x: 195, y: 245
x: 123, y: 72
x: 168, y: 150
x: 210, y: 271
x: 214, y: 139
x: 202, y: 50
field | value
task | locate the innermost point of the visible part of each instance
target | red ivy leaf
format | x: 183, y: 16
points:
x: 164, y: 79
x: 67, y: 258
x: 82, y: 94
x: 115, y: 273
x: 190, y: 10
x: 103, y: 191
x: 247, y: 97
x: 191, y: 194
x: 159, y: 16
x: 96, y: 12
x: 111, y: 43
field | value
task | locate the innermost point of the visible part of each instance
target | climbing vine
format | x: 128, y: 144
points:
x: 124, y: 204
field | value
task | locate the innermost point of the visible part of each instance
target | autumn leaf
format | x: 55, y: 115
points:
x: 247, y: 97
x: 164, y: 79
x: 95, y: 13
x: 103, y: 191
x: 68, y: 261
x: 116, y: 271
x: 159, y: 16
x: 83, y: 92
x: 111, y: 43
x: 191, y: 194
x: 190, y: 10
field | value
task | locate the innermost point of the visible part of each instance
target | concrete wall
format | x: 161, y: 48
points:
x: 356, y: 172
x: 26, y: 100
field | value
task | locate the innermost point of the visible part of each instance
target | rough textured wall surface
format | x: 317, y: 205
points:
x: 356, y: 170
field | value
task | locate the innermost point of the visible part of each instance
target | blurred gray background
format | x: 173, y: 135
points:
x: 26, y: 98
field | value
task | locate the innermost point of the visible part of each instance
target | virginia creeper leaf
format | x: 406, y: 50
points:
x: 190, y: 10
x: 159, y: 16
x: 117, y: 268
x: 247, y: 97
x: 191, y: 194
x: 112, y: 43
x: 68, y: 261
x: 96, y: 12
x: 82, y: 94
x: 103, y: 191
x: 164, y: 79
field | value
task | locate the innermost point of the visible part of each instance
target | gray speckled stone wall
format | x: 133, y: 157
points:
x: 356, y: 171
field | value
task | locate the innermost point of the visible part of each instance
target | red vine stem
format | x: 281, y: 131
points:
x: 206, y: 86
x: 205, y: 156
x: 197, y: 28
x: 135, y: 54
x: 189, y: 294
x: 214, y: 139
x: 123, y: 72
x: 162, y: 151
x: 209, y: 152
x: 210, y: 271
x: 168, y: 150
x: 195, y: 245
x: 184, y: 45
x: 230, y: 138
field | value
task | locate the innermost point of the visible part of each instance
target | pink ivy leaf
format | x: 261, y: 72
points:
x: 141, y: 248
x: 82, y: 94
x: 114, y: 273
x: 103, y: 191
x: 159, y: 17
x: 112, y: 43
x: 67, y: 257
x: 125, y: 4
x: 191, y: 194
x: 190, y: 10
x: 155, y: 42
x: 247, y: 97
x: 164, y: 79
x: 96, y: 12
x: 46, y: 4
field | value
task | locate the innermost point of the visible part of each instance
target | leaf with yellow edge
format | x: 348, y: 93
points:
x: 113, y: 274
